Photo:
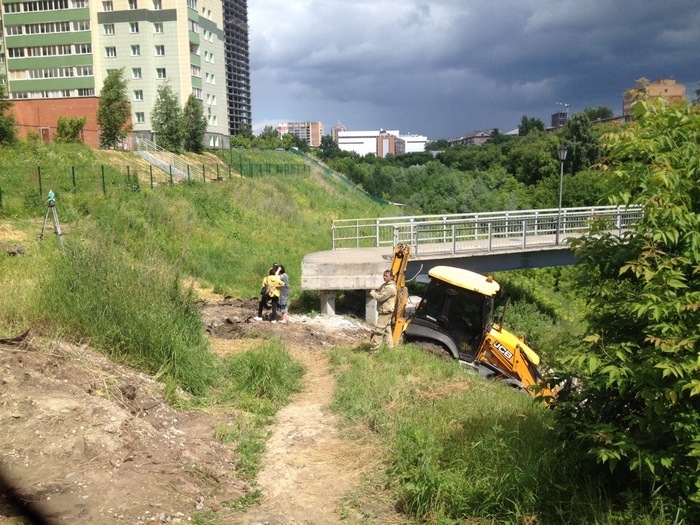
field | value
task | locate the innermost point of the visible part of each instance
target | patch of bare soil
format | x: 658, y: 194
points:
x: 86, y: 440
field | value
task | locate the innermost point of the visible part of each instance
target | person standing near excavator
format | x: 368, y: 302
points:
x: 385, y: 296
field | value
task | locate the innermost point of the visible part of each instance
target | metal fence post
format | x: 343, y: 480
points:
x: 72, y: 168
x: 104, y: 185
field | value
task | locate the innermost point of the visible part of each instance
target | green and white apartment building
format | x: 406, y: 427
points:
x: 57, y: 54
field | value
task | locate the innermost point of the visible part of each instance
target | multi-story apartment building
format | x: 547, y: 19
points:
x: 64, y: 49
x: 665, y: 88
x: 336, y: 129
x: 309, y: 132
x: 474, y: 138
x: 237, y: 66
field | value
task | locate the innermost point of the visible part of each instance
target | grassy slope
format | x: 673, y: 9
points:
x: 115, y: 284
x: 225, y: 234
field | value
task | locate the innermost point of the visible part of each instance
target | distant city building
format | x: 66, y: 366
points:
x: 475, y: 138
x: 665, y: 88
x: 337, y: 128
x: 381, y: 142
x: 309, y: 132
x: 560, y: 118
x: 65, y: 49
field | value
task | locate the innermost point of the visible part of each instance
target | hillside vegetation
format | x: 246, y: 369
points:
x: 458, y: 450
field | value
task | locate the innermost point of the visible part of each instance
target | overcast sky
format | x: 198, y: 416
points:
x: 447, y: 67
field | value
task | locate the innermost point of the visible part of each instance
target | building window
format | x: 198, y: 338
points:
x: 194, y: 26
x: 83, y: 49
x: 136, y: 73
x: 140, y: 117
x: 138, y: 94
x: 79, y: 4
x: 12, y: 8
x: 108, y: 29
x: 133, y: 4
x: 160, y: 51
x: 81, y: 25
x: 197, y: 92
x: 110, y: 52
x: 108, y: 6
x: 133, y: 27
x: 83, y: 71
x: 192, y: 4
x: 160, y: 72
x: 135, y: 50
x: 195, y: 71
x: 158, y: 28
x: 15, y: 52
x: 157, y: 5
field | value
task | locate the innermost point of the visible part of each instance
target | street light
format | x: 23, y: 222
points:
x: 561, y: 153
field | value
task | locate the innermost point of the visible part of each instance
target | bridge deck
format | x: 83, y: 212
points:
x: 485, y: 242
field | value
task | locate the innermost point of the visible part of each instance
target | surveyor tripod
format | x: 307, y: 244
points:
x: 56, y: 225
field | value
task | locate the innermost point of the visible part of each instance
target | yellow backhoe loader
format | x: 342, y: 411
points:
x: 455, y: 319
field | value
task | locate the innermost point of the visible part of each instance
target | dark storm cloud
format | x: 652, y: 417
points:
x: 446, y: 67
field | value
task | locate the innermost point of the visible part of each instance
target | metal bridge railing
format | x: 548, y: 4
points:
x: 455, y: 233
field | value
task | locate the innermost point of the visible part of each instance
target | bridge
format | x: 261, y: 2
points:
x: 482, y: 242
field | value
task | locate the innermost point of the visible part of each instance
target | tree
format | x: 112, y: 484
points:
x: 437, y: 145
x: 529, y: 124
x: 166, y: 119
x: 637, y: 411
x: 70, y: 129
x: 8, y: 123
x: 599, y: 113
x: 195, y: 124
x: 532, y: 157
x: 113, y: 110
x: 269, y: 133
x: 245, y: 131
x: 584, y: 148
x: 329, y: 148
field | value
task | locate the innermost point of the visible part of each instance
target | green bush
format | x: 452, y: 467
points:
x: 637, y: 413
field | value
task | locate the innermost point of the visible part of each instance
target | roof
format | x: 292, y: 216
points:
x: 466, y: 279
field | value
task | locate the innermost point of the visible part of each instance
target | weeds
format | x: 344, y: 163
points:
x: 464, y: 449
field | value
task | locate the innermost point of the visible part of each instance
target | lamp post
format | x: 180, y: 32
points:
x: 561, y: 153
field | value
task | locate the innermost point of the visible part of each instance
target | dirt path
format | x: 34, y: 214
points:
x: 90, y: 441
x: 308, y: 466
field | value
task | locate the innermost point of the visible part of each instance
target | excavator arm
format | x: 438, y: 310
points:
x: 398, y: 270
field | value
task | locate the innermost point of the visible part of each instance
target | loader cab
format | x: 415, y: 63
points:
x: 456, y: 311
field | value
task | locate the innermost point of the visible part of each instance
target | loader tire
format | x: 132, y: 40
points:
x: 435, y: 349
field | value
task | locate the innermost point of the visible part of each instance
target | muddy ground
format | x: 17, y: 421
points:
x: 85, y: 440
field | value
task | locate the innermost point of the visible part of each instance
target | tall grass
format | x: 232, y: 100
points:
x: 466, y: 450
x: 258, y: 383
x: 133, y: 308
